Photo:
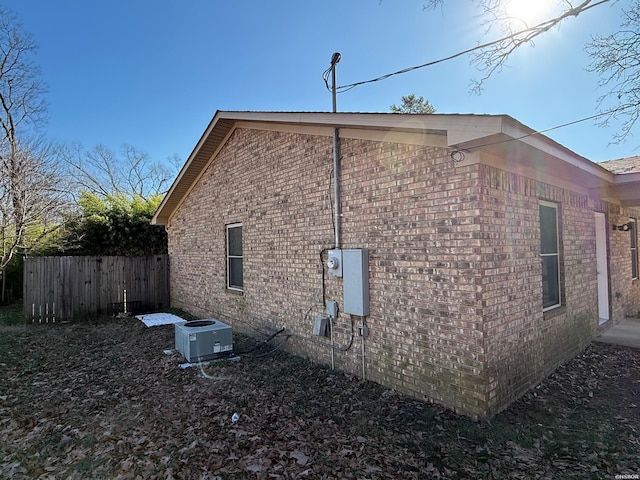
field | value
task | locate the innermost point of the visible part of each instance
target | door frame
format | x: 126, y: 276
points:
x: 602, y: 268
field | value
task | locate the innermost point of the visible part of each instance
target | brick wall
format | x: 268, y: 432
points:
x: 416, y: 212
x: 422, y: 234
x: 455, y: 288
x: 523, y: 345
x: 625, y: 292
x: 257, y: 180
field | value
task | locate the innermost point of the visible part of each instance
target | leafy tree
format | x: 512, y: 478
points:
x: 118, y: 193
x: 615, y: 56
x: 114, y: 225
x: 412, y: 104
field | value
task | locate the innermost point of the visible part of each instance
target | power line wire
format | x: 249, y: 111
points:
x: 567, y: 124
x: 460, y: 152
x: 541, y: 27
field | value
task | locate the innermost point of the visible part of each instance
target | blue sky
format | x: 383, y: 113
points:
x: 151, y: 73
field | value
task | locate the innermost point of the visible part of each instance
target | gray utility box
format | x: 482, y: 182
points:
x: 355, y: 278
x: 201, y: 340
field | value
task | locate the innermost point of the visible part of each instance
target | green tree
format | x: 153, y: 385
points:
x: 412, y: 104
x: 113, y: 225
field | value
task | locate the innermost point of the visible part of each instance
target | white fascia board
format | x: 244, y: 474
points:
x: 467, y: 131
x: 497, y: 130
x: 625, y: 178
x: 548, y: 146
x: 387, y: 121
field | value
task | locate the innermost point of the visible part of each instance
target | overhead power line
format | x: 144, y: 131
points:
x: 541, y: 27
x: 613, y: 111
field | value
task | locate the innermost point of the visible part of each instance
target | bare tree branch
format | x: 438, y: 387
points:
x: 616, y: 58
x: 33, y: 196
x: 21, y: 88
x: 130, y: 173
x: 491, y: 57
x: 32, y: 193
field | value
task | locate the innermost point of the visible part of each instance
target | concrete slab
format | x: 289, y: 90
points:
x: 625, y: 333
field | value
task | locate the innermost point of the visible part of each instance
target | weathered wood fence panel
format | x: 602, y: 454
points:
x: 71, y: 288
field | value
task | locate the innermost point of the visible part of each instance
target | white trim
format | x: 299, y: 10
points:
x: 634, y: 234
x: 228, y: 257
x: 555, y: 206
x: 602, y: 267
x: 500, y: 135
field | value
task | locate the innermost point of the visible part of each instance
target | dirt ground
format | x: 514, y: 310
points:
x: 102, y: 400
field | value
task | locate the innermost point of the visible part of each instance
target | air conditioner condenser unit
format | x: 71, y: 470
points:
x: 201, y: 340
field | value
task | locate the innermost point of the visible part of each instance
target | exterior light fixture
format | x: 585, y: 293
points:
x: 625, y: 227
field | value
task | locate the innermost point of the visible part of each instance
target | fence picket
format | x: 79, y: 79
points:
x: 71, y: 288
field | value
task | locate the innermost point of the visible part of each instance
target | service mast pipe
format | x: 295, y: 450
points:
x: 335, y: 58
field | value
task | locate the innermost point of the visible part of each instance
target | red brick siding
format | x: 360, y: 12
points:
x: 256, y: 179
x: 426, y: 335
x: 625, y: 292
x: 416, y: 212
x: 523, y: 345
x: 511, y: 286
x: 455, y: 273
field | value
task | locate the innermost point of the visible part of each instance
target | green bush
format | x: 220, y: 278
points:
x: 115, y: 225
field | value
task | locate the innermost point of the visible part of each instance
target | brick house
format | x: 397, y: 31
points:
x: 489, y: 252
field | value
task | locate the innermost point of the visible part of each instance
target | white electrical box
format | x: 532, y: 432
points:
x: 355, y: 276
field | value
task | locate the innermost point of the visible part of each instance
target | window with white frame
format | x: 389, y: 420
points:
x: 234, y: 257
x: 634, y: 248
x: 550, y: 255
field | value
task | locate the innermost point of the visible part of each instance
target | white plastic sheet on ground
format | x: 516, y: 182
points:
x: 156, y: 319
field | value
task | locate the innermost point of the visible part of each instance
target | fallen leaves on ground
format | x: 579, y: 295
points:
x: 102, y: 400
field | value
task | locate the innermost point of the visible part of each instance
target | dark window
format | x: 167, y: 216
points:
x: 234, y: 256
x: 550, y: 255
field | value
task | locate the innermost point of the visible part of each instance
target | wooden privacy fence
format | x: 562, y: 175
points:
x: 72, y: 288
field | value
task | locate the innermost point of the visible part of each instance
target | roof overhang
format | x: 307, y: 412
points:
x: 508, y: 143
x: 624, y: 189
